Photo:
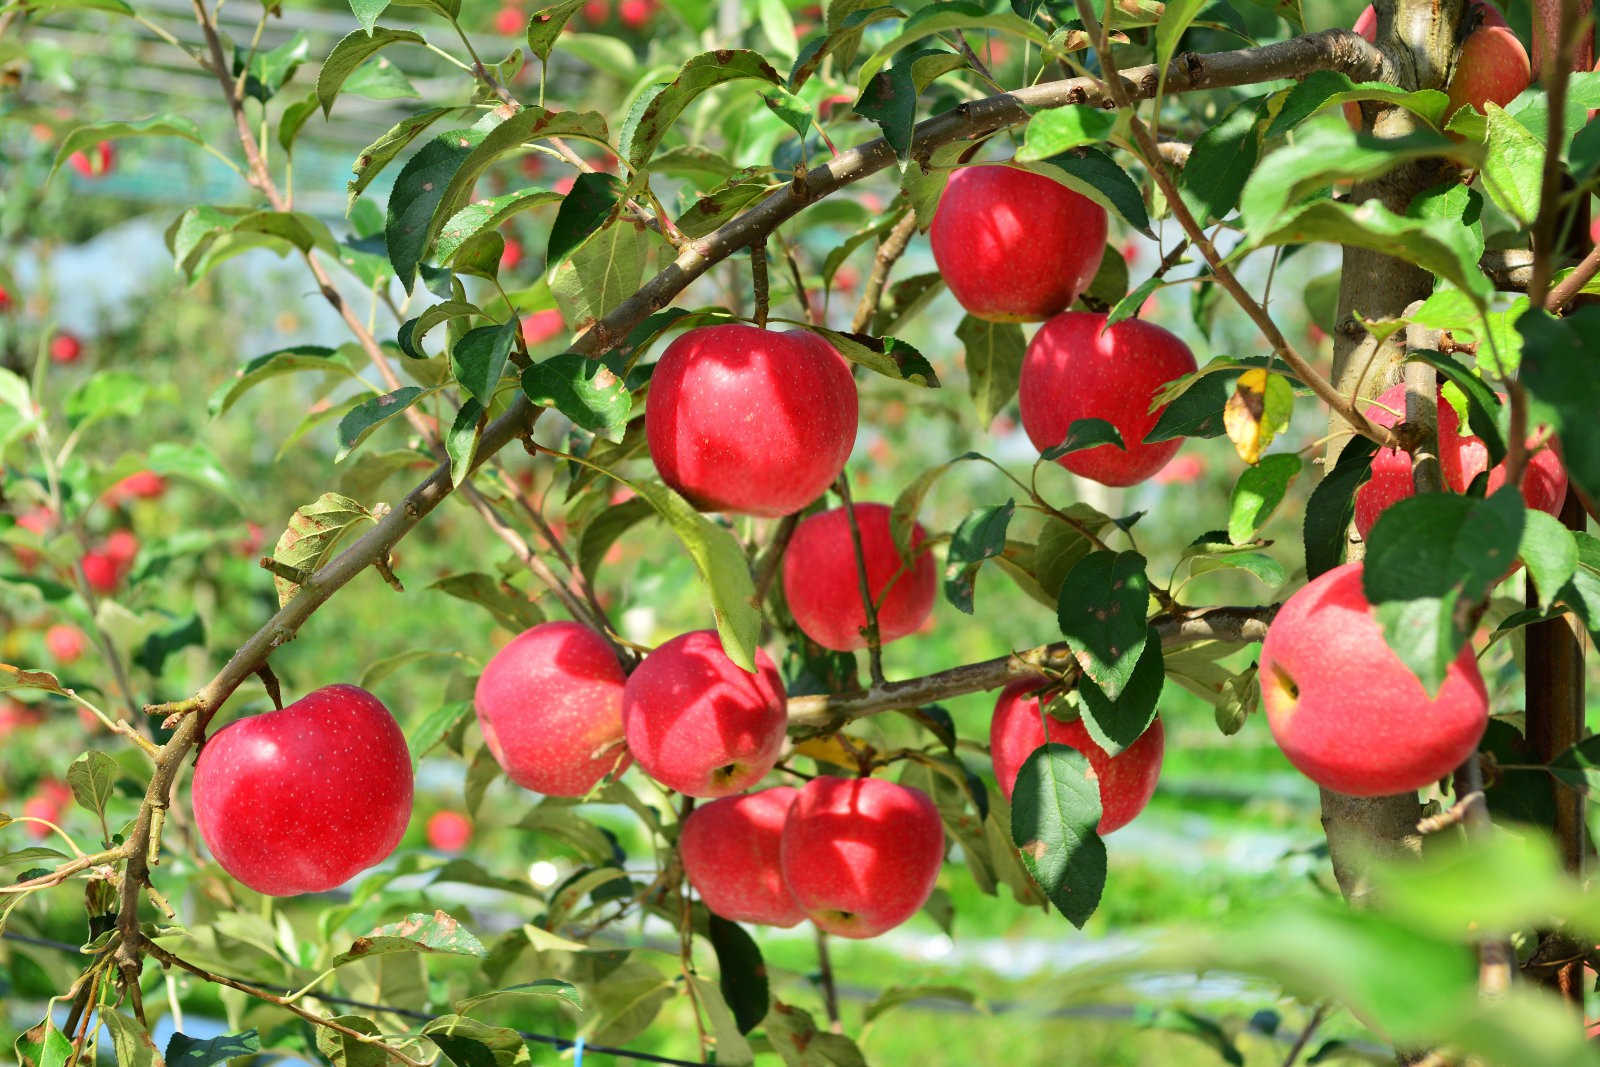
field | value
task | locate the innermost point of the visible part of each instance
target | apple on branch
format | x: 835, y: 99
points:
x: 730, y: 855
x: 822, y: 584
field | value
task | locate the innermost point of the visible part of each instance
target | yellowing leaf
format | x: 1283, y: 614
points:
x: 1257, y: 412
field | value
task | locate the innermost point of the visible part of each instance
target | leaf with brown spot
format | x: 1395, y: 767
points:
x: 1257, y: 412
x: 417, y: 932
x: 314, y: 530
x: 1055, y: 815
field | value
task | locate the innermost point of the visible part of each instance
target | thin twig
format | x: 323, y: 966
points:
x: 890, y: 250
x: 868, y: 603
x: 1304, y: 1039
x: 830, y: 990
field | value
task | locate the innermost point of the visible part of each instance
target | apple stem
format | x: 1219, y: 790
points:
x: 869, y: 607
x: 758, y: 278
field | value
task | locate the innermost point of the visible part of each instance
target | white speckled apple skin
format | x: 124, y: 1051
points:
x: 730, y: 854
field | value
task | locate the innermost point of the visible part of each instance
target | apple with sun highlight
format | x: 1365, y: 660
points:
x: 730, y: 855
x: 822, y: 584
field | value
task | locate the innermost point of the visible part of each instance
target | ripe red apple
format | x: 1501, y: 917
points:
x: 140, y: 485
x: 1015, y: 246
x: 635, y: 14
x: 448, y: 831
x: 823, y: 587
x: 531, y: 165
x: 747, y: 420
x: 509, y: 21
x: 1492, y: 64
x: 1462, y: 457
x: 1183, y: 470
x: 511, y: 255
x: 730, y: 854
x: 1127, y: 780
x: 1346, y: 711
x: 103, y: 573
x: 95, y: 162
x: 38, y: 521
x: 5, y: 299
x: 861, y: 855
x: 542, y: 326
x: 302, y: 800
x: 121, y: 547
x: 550, y: 707
x: 65, y: 642
x: 15, y: 716
x: 596, y: 12
x: 65, y: 348
x: 698, y: 723
x: 49, y: 804
x: 1076, y: 368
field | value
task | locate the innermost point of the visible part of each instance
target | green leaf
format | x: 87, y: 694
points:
x: 272, y: 365
x: 939, y: 18
x: 1055, y: 810
x: 603, y: 272
x: 342, y: 1050
x: 593, y: 201
x: 583, y: 390
x: 889, y: 356
x: 1327, y: 88
x: 154, y: 126
x: 361, y: 420
x: 535, y: 994
x: 461, y: 443
x: 153, y: 651
x: 605, y: 528
x: 1091, y: 173
x: 981, y: 536
x: 1550, y: 551
x: 1482, y: 404
x: 418, y: 932
x: 131, y: 1041
x: 994, y: 352
x: 778, y: 27
x: 353, y: 50
x: 1197, y: 1026
x: 1558, y: 361
x: 367, y: 12
x: 92, y: 777
x: 313, y: 532
x: 418, y: 194
x: 270, y: 70
x: 379, y: 153
x: 108, y: 394
x: 895, y: 996
x: 890, y: 101
x: 1331, y: 507
x: 1082, y: 434
x: 293, y: 119
x: 658, y: 109
x: 1429, y: 558
x: 1057, y: 129
x: 193, y: 462
x: 1197, y: 411
x: 1116, y: 723
x: 510, y: 609
x: 434, y: 726
x: 1101, y: 609
x: 794, y: 1036
x: 545, y: 26
x: 722, y: 566
x: 1257, y: 494
x: 186, y: 1051
x: 413, y: 330
x: 903, y: 513
x: 1221, y: 161
x: 1513, y: 166
x: 741, y: 972
x: 482, y: 216
x: 478, y: 360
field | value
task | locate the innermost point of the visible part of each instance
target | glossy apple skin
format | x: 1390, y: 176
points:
x: 302, y: 800
x: 1462, y: 457
x: 448, y: 831
x: 861, y: 855
x: 750, y: 421
x: 550, y: 707
x: 1077, y: 369
x: 730, y: 855
x: 65, y: 348
x: 1127, y: 780
x: 697, y: 723
x: 1015, y: 246
x: 1492, y: 65
x: 1346, y: 711
x: 823, y: 587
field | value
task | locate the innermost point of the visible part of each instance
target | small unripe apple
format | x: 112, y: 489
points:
x: 542, y: 326
x: 302, y: 800
x: 448, y: 831
x: 698, y: 723
x: 511, y: 255
x: 751, y: 421
x: 1462, y: 457
x: 1343, y: 707
x: 65, y: 348
x: 94, y: 162
x: 1077, y: 368
x: 1127, y: 780
x: 861, y: 855
x: 1015, y: 246
x: 509, y: 21
x: 823, y: 587
x: 550, y: 707
x: 65, y: 642
x: 730, y: 855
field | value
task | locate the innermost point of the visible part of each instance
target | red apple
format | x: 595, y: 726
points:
x: 1015, y: 246
x: 65, y: 348
x: 49, y: 804
x: 550, y: 707
x: 95, y: 162
x: 730, y: 855
x: 509, y: 21
x: 1492, y: 64
x: 1183, y: 470
x: 828, y: 106
x: 1462, y: 457
x: 596, y: 12
x: 747, y: 420
x: 635, y: 14
x: 5, y: 299
x: 823, y: 587
x: 861, y: 855
x: 103, y: 573
x: 448, y: 831
x: 15, y: 715
x: 1127, y: 780
x: 1346, y: 711
x: 1076, y: 368
x: 302, y: 800
x: 512, y: 255
x: 140, y: 485
x: 65, y: 642
x: 38, y: 521
x: 121, y: 547
x: 698, y: 723
x: 542, y: 326
x: 1367, y: 27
